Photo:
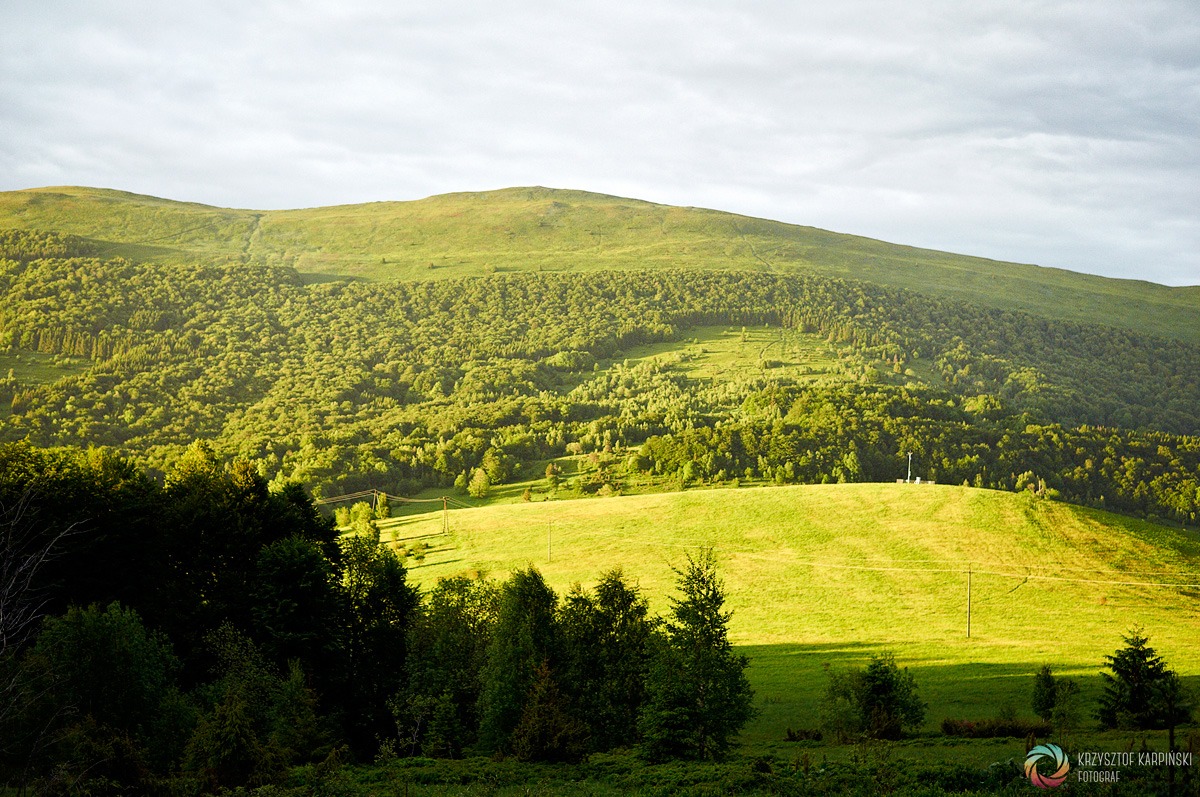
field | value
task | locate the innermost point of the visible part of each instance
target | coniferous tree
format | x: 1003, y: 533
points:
x: 698, y: 697
x: 1133, y: 692
x: 548, y: 731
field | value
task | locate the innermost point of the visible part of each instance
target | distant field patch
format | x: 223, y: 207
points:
x: 725, y: 354
x: 33, y: 368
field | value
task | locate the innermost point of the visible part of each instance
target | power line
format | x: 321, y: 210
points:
x: 1032, y: 566
x: 381, y: 494
x: 1001, y: 574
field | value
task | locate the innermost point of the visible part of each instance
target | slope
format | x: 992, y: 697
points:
x: 545, y: 229
x: 827, y: 575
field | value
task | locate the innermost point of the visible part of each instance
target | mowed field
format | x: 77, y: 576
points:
x: 826, y: 575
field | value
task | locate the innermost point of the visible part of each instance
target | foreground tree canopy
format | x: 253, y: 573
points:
x: 210, y: 632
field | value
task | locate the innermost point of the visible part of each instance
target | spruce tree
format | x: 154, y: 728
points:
x: 698, y: 697
x: 1132, y: 693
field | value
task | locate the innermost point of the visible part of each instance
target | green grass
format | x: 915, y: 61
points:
x: 524, y: 229
x: 790, y: 555
x: 721, y: 354
x: 33, y: 368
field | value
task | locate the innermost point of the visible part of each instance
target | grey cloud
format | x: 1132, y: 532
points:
x: 1061, y: 134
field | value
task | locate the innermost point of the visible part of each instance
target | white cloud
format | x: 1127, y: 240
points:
x: 1061, y: 134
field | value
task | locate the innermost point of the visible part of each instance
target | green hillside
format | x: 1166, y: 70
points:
x: 791, y: 558
x: 523, y: 229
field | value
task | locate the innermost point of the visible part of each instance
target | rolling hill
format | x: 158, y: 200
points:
x: 828, y: 574
x: 539, y: 229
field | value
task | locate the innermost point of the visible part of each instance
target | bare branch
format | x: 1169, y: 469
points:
x: 23, y: 552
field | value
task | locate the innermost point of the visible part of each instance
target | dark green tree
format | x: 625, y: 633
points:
x: 1173, y: 703
x: 606, y: 646
x: 1131, y: 690
x: 1044, y: 684
x: 548, y: 731
x: 379, y: 605
x: 447, y: 654
x: 526, y: 635
x: 698, y: 697
x: 298, y: 610
x: 889, y: 701
x: 258, y: 721
x: 99, y: 683
x: 879, y: 701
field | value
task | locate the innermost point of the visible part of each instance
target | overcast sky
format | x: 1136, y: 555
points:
x: 1059, y: 133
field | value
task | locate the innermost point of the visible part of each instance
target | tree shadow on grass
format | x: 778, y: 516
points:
x: 790, y: 681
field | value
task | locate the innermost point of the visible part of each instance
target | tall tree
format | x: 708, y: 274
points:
x: 526, y: 636
x: 298, y: 610
x: 606, y: 645
x: 380, y: 604
x: 698, y: 697
x: 447, y: 656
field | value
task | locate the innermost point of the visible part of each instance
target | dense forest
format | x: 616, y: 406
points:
x: 401, y: 386
x: 209, y: 633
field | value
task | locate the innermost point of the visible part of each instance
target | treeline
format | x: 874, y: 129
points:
x: 407, y: 385
x: 24, y: 245
x: 805, y: 436
x: 209, y: 633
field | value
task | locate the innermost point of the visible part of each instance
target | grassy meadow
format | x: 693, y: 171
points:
x: 826, y: 575
x: 539, y: 229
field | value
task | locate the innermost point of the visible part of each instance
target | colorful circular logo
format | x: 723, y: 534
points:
x: 1055, y: 757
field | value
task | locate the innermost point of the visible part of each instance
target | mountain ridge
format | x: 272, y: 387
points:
x: 548, y: 229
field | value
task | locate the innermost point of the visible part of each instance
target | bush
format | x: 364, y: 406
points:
x: 995, y: 728
x: 879, y: 701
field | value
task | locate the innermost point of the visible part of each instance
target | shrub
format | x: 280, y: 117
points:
x: 879, y: 701
x: 995, y: 728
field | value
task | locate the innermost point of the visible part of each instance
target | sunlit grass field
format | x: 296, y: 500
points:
x: 825, y: 576
x: 540, y: 229
x: 722, y: 354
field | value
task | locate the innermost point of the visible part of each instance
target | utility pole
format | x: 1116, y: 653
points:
x: 445, y: 515
x: 909, y: 479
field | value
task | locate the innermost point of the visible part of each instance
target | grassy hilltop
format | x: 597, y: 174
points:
x: 532, y: 229
x: 792, y: 560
